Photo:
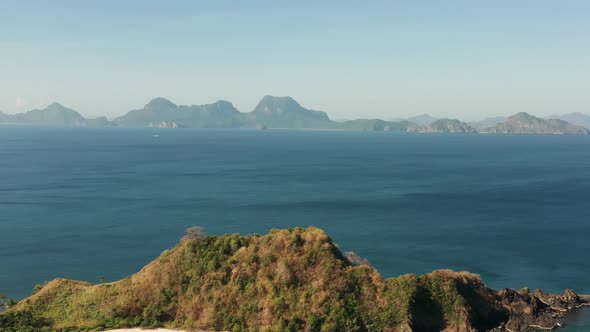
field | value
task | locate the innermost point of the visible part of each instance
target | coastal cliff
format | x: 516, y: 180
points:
x: 287, y: 280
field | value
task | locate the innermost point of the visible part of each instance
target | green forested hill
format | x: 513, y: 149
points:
x: 287, y: 280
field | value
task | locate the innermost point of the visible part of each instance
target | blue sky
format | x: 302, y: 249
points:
x: 388, y: 59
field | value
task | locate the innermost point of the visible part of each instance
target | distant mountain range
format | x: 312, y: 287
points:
x: 577, y: 118
x: 422, y: 120
x: 221, y: 114
x: 452, y: 126
x: 271, y: 112
x: 487, y: 122
x: 53, y: 115
x: 374, y: 125
x: 524, y: 123
x: 285, y: 112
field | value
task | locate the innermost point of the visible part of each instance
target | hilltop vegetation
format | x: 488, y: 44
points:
x: 287, y: 280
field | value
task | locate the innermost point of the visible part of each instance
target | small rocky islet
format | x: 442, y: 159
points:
x: 287, y: 280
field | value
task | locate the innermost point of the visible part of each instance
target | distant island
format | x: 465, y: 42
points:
x: 288, y: 280
x: 286, y: 113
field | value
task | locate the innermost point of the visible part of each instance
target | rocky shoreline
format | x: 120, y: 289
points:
x: 537, y: 310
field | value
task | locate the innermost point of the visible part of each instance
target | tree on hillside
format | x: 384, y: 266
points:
x: 5, y: 304
x: 194, y: 233
x: 38, y: 287
x: 11, y: 303
x: 354, y: 259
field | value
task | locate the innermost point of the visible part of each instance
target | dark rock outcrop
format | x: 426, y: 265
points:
x: 533, y: 311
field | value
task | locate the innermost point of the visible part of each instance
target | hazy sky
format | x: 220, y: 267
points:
x: 388, y: 59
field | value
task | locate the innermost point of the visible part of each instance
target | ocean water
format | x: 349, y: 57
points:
x: 86, y: 203
x: 578, y: 321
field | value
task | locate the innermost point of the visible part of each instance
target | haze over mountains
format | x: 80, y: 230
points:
x: 53, y: 115
x: 286, y: 113
x: 160, y: 112
x: 524, y: 123
x: 488, y: 122
x: 423, y: 119
x: 576, y: 118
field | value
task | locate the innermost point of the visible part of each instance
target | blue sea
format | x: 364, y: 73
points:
x: 86, y: 203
